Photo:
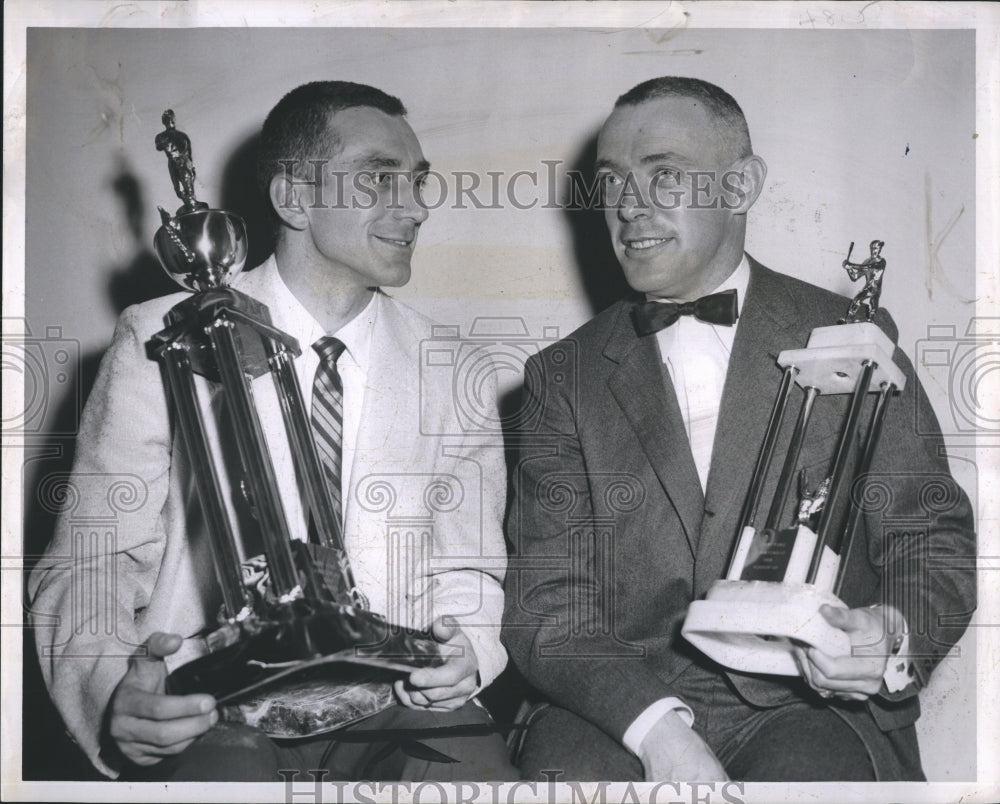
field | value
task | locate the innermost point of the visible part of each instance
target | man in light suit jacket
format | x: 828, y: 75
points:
x: 422, y: 513
x: 629, y: 492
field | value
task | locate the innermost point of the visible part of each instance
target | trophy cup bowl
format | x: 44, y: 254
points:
x: 202, y: 249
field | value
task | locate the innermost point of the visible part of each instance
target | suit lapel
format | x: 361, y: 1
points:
x: 765, y: 328
x: 388, y: 384
x: 642, y: 388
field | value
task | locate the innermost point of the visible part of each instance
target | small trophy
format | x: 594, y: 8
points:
x: 292, y: 631
x: 780, y: 574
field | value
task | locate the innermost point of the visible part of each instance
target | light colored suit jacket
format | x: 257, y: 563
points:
x: 614, y: 538
x: 130, y: 555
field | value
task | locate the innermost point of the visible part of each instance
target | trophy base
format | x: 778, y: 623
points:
x: 295, y: 639
x: 752, y: 626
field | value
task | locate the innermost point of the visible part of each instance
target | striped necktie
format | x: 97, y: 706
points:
x: 328, y: 417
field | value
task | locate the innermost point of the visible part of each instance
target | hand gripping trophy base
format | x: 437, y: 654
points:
x: 779, y: 578
x: 752, y: 626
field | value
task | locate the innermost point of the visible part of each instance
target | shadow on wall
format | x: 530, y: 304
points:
x: 601, y: 275
x: 241, y: 195
x: 139, y: 278
x: 47, y: 752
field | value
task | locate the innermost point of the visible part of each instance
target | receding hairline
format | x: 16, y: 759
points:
x: 373, y: 155
x: 717, y: 103
x: 300, y: 126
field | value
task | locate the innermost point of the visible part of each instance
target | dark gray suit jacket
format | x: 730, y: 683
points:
x: 613, y: 536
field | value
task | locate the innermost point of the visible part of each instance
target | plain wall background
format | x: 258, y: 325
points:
x: 867, y: 134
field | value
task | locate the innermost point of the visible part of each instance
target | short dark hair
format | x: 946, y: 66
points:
x: 716, y: 100
x: 298, y: 127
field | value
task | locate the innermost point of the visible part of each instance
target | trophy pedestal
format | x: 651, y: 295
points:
x: 752, y: 626
x: 833, y: 359
x: 298, y: 639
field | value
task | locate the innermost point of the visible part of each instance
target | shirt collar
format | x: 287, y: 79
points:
x: 738, y: 280
x: 290, y: 316
x: 356, y: 334
x: 723, y: 336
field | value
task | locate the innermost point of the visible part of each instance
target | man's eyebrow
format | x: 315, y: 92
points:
x: 381, y: 162
x: 377, y: 162
x: 665, y: 156
x: 648, y: 159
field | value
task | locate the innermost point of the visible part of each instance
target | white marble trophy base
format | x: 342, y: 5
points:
x: 752, y: 625
x: 834, y: 356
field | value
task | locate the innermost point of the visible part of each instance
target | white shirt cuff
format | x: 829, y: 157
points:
x: 898, y: 671
x: 640, y: 727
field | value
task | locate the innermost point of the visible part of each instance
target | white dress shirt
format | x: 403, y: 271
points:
x: 696, y: 354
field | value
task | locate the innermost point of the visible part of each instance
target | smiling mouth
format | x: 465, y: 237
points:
x: 394, y: 242
x: 645, y: 243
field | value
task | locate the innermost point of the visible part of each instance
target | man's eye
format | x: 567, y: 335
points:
x: 378, y: 178
x: 668, y: 176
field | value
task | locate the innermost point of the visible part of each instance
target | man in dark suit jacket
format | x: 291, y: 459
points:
x: 630, y: 487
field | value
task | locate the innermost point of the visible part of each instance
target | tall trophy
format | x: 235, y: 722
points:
x: 781, y: 573
x: 295, y: 650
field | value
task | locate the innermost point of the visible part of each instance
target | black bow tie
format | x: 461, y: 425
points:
x: 717, y: 308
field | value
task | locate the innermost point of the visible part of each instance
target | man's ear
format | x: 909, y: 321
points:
x: 286, y: 199
x: 744, y: 183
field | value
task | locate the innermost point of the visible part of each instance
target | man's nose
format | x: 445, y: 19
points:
x: 632, y: 205
x: 411, y: 204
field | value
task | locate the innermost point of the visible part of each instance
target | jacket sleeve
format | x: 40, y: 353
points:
x: 101, y: 565
x: 470, y: 552
x: 921, y: 528
x: 466, y: 495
